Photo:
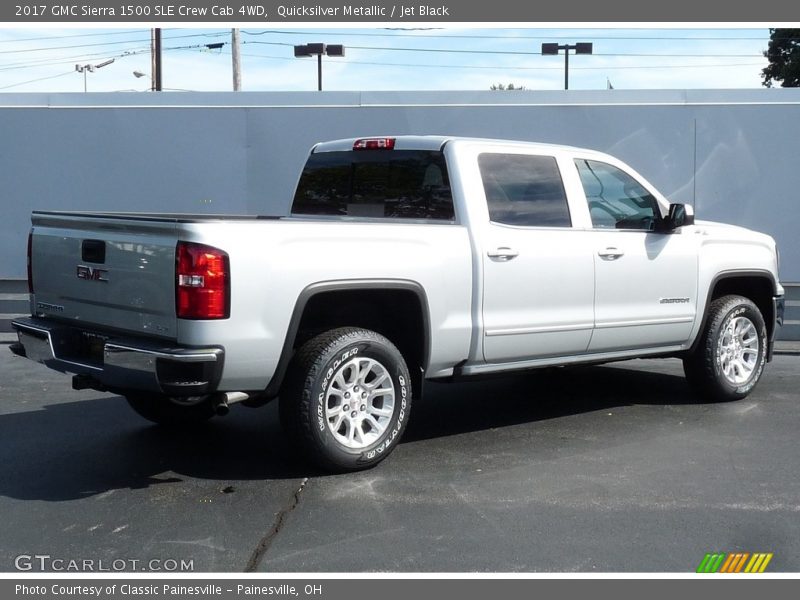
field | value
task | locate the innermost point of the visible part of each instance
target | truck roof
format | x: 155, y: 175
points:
x: 435, y: 142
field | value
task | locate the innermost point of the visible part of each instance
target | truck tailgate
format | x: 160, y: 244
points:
x: 115, y: 271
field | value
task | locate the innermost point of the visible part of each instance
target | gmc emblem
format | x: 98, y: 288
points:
x: 91, y: 274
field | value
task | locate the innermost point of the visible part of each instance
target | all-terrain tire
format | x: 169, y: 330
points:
x: 347, y: 399
x: 729, y: 359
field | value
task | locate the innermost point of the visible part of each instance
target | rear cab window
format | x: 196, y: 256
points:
x: 382, y: 184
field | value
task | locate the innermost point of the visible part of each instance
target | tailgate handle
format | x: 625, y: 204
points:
x: 93, y: 251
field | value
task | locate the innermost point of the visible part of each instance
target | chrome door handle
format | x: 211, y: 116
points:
x: 503, y: 253
x: 611, y: 253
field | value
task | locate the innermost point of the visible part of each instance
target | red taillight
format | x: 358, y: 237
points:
x: 374, y: 144
x: 30, y: 264
x: 202, y: 282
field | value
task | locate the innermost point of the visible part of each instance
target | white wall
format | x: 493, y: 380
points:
x: 735, y: 154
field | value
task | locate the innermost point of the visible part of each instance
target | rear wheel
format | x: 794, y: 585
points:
x: 171, y: 411
x: 729, y: 358
x: 347, y: 399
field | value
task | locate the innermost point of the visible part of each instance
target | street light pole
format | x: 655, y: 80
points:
x: 90, y: 69
x: 580, y: 48
x: 318, y: 50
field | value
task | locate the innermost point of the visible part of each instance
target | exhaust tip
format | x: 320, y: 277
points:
x: 221, y: 407
x: 223, y: 401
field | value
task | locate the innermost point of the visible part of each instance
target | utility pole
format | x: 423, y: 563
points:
x: 156, y: 59
x: 152, y: 60
x: 236, y: 60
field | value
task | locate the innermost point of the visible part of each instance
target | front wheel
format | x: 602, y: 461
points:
x: 347, y: 399
x: 729, y: 358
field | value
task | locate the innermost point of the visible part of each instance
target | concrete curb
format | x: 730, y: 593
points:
x: 787, y: 347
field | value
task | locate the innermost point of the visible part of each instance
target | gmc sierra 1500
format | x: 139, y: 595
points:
x: 403, y: 259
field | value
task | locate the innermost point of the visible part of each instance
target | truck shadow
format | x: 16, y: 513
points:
x: 74, y: 450
x: 450, y: 409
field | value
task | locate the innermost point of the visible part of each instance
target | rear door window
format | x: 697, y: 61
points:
x: 524, y: 190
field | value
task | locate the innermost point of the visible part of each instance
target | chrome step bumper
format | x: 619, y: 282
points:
x: 105, y: 361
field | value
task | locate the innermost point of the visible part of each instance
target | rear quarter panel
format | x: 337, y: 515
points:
x: 273, y: 262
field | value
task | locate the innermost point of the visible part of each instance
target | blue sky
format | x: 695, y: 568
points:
x: 43, y: 59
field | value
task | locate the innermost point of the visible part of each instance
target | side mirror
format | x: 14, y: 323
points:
x: 679, y: 215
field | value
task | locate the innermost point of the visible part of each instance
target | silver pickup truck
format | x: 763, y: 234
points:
x: 403, y: 259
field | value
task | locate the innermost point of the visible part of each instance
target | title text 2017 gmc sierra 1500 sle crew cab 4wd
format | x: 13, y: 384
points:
x: 403, y: 259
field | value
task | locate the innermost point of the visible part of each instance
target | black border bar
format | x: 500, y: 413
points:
x: 397, y: 13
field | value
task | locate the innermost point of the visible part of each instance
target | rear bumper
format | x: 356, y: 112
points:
x: 778, y: 307
x: 106, y: 361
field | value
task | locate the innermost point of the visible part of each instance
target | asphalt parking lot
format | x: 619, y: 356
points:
x: 615, y: 468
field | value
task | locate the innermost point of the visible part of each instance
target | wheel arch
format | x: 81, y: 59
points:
x: 756, y: 285
x: 328, y: 304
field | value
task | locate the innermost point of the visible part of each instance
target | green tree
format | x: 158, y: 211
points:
x: 510, y: 86
x: 783, y: 54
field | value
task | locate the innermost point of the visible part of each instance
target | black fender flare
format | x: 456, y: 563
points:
x: 762, y: 274
x: 314, y: 289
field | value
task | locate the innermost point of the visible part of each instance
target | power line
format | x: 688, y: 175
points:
x: 25, y: 51
x: 561, y: 68
x: 35, y: 80
x: 127, y: 53
x: 59, y: 60
x: 104, y: 33
x: 517, y: 68
x: 62, y: 60
x: 137, y: 41
x: 64, y: 37
x: 517, y: 52
x: 511, y: 38
x: 140, y: 48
